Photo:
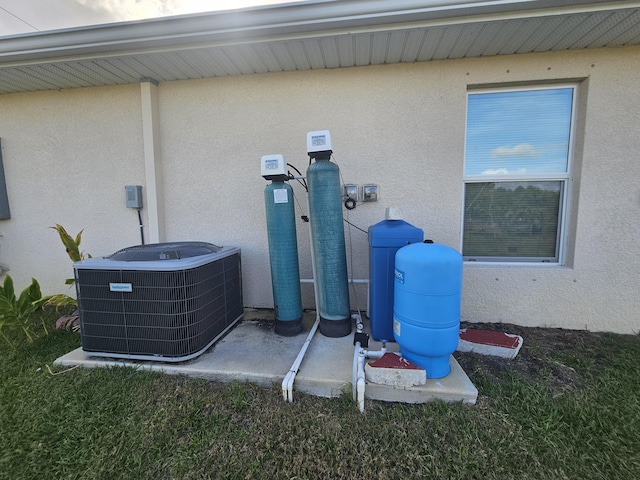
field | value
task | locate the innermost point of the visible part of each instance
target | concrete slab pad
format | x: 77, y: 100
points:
x: 252, y: 352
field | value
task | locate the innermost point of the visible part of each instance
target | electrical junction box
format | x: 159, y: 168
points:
x: 351, y: 191
x: 133, y: 195
x: 370, y: 193
x: 273, y: 167
x: 318, y: 141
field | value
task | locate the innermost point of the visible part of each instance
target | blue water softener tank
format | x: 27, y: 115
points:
x: 426, y: 308
x: 385, y: 239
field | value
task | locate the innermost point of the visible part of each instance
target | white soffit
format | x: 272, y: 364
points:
x: 316, y: 35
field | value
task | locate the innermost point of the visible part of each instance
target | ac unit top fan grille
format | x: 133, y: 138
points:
x: 142, y: 303
x: 164, y: 251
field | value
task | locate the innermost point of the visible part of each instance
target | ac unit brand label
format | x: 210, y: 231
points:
x: 399, y: 276
x: 121, y: 287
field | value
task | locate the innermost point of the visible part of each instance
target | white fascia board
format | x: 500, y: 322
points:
x: 263, y: 23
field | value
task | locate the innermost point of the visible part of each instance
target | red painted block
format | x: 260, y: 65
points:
x: 393, y: 370
x: 392, y: 360
x: 488, y: 337
x: 488, y: 342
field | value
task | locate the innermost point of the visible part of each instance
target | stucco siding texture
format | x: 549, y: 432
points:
x: 68, y: 155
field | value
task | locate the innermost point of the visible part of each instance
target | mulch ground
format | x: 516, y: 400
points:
x: 540, y: 358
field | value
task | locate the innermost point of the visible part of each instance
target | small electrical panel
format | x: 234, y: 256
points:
x: 133, y: 195
x: 318, y: 141
x: 351, y: 191
x: 273, y: 167
x: 370, y: 193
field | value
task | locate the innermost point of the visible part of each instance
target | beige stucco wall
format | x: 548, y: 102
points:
x: 69, y: 154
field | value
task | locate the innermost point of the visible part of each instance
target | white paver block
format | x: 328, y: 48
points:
x: 487, y: 342
x: 393, y: 370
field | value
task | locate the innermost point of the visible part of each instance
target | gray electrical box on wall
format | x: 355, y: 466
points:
x: 5, y: 213
x: 133, y: 196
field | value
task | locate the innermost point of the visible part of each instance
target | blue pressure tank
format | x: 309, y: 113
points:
x: 426, y: 309
x: 283, y: 257
x: 385, y: 238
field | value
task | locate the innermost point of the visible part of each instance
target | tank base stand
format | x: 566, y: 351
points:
x: 335, y: 328
x: 289, y: 328
x: 436, y: 367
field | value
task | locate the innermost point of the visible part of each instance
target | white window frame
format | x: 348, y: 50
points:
x: 565, y: 196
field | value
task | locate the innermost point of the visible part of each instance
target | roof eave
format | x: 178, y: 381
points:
x: 267, y: 22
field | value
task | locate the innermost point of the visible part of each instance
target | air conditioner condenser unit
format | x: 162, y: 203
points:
x: 163, y: 302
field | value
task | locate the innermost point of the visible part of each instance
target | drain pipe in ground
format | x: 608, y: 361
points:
x: 358, y: 380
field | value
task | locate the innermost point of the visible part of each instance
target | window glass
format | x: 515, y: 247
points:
x: 512, y: 219
x: 517, y: 162
x: 518, y: 132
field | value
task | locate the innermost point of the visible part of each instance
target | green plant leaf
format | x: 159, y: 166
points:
x: 29, y: 298
x: 6, y: 307
x: 8, y: 291
x: 60, y: 300
x: 9, y: 321
x: 70, y: 244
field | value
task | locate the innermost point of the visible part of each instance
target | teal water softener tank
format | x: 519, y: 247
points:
x: 385, y: 238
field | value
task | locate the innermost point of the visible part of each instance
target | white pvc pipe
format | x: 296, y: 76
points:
x: 287, y: 383
x: 360, y: 382
x: 354, y: 371
x: 358, y: 376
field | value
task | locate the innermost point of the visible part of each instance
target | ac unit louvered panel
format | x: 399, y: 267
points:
x: 166, y: 311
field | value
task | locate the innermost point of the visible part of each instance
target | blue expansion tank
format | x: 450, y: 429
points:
x: 426, y: 309
x: 385, y: 238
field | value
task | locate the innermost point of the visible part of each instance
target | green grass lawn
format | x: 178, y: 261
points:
x: 120, y: 423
